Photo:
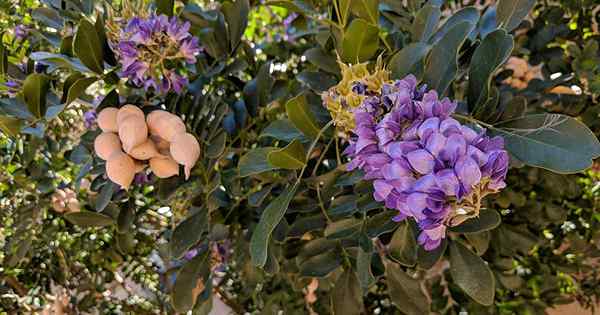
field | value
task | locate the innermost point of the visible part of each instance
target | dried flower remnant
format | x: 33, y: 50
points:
x: 356, y: 84
x: 422, y: 162
x: 522, y: 72
x: 153, y: 50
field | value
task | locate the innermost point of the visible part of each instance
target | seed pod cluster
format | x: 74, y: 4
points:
x: 523, y: 72
x: 65, y: 200
x: 130, y: 141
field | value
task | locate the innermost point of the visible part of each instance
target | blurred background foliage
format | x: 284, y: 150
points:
x: 545, y: 253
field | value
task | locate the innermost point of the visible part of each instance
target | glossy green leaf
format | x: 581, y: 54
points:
x: 89, y: 219
x: 3, y: 58
x: 425, y: 23
x: 366, y: 9
x: 363, y: 268
x: 188, y: 232
x: 48, y: 16
x: 468, y: 14
x: 493, y: 52
x: 427, y: 259
x: 255, y: 162
x: 479, y: 241
x: 442, y: 64
x: 217, y: 145
x: 298, y: 6
x: 194, y: 271
x: 324, y: 61
x: 236, y: 15
x: 78, y: 88
x: 88, y: 47
x: 360, y: 41
x: 316, y: 81
x: 299, y: 113
x: 342, y: 228
x: 407, y: 60
x: 59, y: 61
x: 105, y: 195
x: 35, y: 87
x: 282, y: 129
x: 269, y: 219
x: 471, y: 274
x: 510, y: 13
x: 405, y: 291
x: 290, y: 157
x: 165, y: 7
x: 321, y: 265
x: 488, y: 219
x: 403, y: 246
x: 346, y: 297
x: 552, y: 141
x: 10, y: 126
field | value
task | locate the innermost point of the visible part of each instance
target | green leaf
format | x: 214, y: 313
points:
x: 321, y: 265
x: 360, y: 41
x: 255, y: 162
x: 479, y: 241
x: 468, y: 14
x: 299, y: 113
x: 408, y: 60
x: 471, y: 274
x: 291, y: 157
x: 35, y: 87
x: 510, y: 13
x: 195, y: 271
x: 165, y: 7
x: 236, y: 15
x: 269, y: 219
x: 282, y: 129
x: 493, y: 51
x: 318, y: 57
x: 366, y: 9
x: 488, y: 219
x: 427, y: 259
x: 49, y: 17
x: 342, y: 228
x: 316, y: 81
x: 217, y: 145
x: 78, y: 88
x: 363, y: 269
x: 105, y: 195
x: 425, y: 23
x: 88, y: 219
x: 555, y: 142
x: 10, y: 126
x: 126, y: 218
x: 3, y: 58
x: 188, y: 232
x: 442, y: 64
x: 88, y: 47
x: 403, y: 246
x: 298, y: 6
x: 405, y: 291
x: 346, y: 296
x: 59, y: 61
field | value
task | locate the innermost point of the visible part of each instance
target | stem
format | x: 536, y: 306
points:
x: 472, y: 120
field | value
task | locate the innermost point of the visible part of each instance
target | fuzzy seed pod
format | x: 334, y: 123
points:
x: 161, y: 144
x: 144, y: 151
x: 185, y: 149
x: 129, y: 110
x: 106, y: 144
x: 107, y: 119
x: 165, y: 125
x: 120, y: 169
x: 518, y: 65
x: 164, y: 167
x: 132, y: 132
x: 139, y: 166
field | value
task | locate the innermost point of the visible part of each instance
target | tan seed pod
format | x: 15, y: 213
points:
x: 144, y: 151
x: 519, y: 66
x: 185, y: 149
x: 132, y: 132
x: 164, y: 167
x: 561, y: 89
x: 107, y: 119
x: 129, y: 110
x: 73, y: 205
x: 106, y: 144
x: 153, y: 116
x: 161, y: 144
x: 139, y: 166
x: 165, y: 125
x: 120, y: 169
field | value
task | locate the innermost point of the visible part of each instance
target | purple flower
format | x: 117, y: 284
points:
x: 89, y: 118
x: 423, y: 163
x: 12, y: 88
x: 21, y: 31
x: 190, y: 254
x: 153, y: 52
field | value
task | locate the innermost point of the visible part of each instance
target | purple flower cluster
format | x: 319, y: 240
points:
x: 89, y: 118
x: 12, y: 88
x: 151, y: 50
x: 424, y: 163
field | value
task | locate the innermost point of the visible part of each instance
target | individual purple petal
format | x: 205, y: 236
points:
x: 430, y: 125
x: 421, y: 161
x: 447, y: 181
x: 467, y: 171
x: 382, y: 189
x: 456, y: 146
x: 396, y: 169
x: 435, y: 143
